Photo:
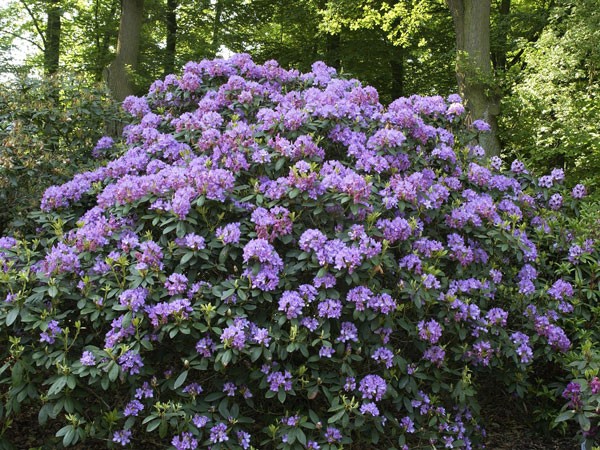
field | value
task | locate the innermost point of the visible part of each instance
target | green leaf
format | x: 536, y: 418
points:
x: 337, y: 416
x: 53, y: 291
x: 565, y: 415
x: 281, y: 395
x: 71, y: 382
x: 180, y: 379
x: 113, y: 373
x: 58, y: 385
x: 153, y: 425
x: 12, y: 316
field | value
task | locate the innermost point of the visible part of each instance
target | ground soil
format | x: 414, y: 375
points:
x: 509, y: 426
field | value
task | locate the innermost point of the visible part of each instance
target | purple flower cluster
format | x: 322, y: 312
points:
x: 292, y: 228
x: 52, y: 330
x: 372, y: 387
x: 266, y: 277
x: 280, y: 380
x: 430, y: 331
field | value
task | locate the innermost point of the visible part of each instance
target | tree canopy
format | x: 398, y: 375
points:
x: 538, y: 77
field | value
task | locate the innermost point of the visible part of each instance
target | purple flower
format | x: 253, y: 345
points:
x: 369, y: 408
x: 176, y: 284
x: 384, y: 355
x: 481, y: 125
x: 8, y: 242
x: 291, y: 421
x: 229, y: 388
x: 60, y: 259
x: 523, y: 349
x: 517, y: 166
x: 218, y: 433
x: 326, y: 352
x: 193, y: 389
x: 482, y: 352
x: 51, y: 332
x: 87, y: 359
x: 435, y: 354
x: 150, y: 256
x: 496, y: 317
x: 333, y: 435
x: 348, y: 332
x: 192, y: 241
x: 131, y: 362
x: 206, y: 347
x: 572, y: 393
x: 229, y: 234
x: 261, y: 336
x: 200, y: 421
x: 266, y: 278
x: 372, y: 387
x: 144, y: 392
x: 430, y: 331
x: 408, y: 425
x: 243, y: 439
x: 279, y: 380
x: 595, y: 385
x: 555, y: 202
x: 184, y: 441
x: 133, y: 408
x: 291, y: 303
x: 578, y: 191
x: 122, y: 437
x: 330, y: 309
x: 561, y: 289
x: 133, y: 299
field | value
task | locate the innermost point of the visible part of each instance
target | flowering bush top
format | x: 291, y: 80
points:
x: 277, y: 260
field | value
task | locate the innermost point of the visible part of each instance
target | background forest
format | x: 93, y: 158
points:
x: 539, y: 85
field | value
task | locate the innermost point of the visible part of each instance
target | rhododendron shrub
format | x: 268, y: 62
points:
x: 279, y: 261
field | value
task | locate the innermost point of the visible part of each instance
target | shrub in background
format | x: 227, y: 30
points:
x: 48, y: 128
x: 278, y: 261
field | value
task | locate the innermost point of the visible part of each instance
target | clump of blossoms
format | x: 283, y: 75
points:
x: 277, y: 260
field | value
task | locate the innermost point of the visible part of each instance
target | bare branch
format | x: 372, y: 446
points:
x: 35, y: 21
x: 18, y: 36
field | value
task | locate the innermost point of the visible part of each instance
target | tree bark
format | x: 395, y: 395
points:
x: 52, y: 39
x: 118, y: 73
x: 171, y: 48
x: 473, y: 67
x: 216, y: 31
x: 332, y: 50
x: 397, y: 70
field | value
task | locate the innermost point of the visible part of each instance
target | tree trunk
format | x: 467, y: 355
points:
x: 397, y: 70
x: 216, y: 38
x: 52, y: 40
x: 171, y: 48
x: 332, y: 50
x: 119, y: 73
x: 473, y: 67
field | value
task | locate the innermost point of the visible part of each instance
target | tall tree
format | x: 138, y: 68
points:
x: 52, y: 37
x: 474, y: 66
x: 171, y: 47
x: 119, y: 72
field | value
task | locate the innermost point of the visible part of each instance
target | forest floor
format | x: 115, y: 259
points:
x: 509, y: 426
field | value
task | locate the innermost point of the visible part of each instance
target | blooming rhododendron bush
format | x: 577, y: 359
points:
x: 275, y: 260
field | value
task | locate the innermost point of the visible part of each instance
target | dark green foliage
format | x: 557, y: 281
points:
x: 47, y: 131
